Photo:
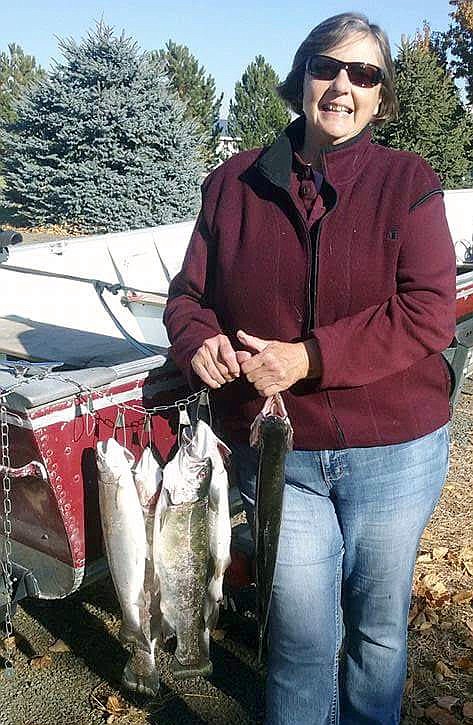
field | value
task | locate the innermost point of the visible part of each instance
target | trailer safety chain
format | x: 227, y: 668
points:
x: 6, y: 562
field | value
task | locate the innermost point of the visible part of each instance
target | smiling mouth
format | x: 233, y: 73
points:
x: 336, y: 108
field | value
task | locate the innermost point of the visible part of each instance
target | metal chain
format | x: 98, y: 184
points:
x: 7, y: 562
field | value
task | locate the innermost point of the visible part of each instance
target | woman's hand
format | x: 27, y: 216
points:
x: 215, y: 362
x: 274, y: 366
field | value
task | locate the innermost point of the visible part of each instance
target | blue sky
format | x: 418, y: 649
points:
x: 224, y: 36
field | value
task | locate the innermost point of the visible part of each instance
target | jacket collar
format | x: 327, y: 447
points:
x: 340, y: 163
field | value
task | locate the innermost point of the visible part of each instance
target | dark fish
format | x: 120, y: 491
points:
x: 271, y: 432
x: 181, y: 549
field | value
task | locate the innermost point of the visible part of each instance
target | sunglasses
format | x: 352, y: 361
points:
x: 325, y: 68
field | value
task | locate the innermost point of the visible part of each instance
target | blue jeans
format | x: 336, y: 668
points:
x: 352, y: 520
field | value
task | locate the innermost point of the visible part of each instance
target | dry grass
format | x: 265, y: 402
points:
x: 441, y: 632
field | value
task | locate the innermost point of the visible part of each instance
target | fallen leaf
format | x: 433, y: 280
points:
x: 442, y: 669
x: 424, y: 559
x: 424, y: 626
x: 440, y: 716
x: 218, y: 634
x: 414, y: 611
x: 115, y: 705
x: 468, y: 710
x: 438, y: 552
x: 432, y: 616
x: 40, y: 662
x: 464, y: 596
x: 447, y: 702
x: 469, y: 567
x: 464, y: 663
x: 9, y: 643
x: 466, y: 554
x: 469, y: 624
x: 409, y: 685
x: 419, y: 620
x: 446, y: 625
x: 59, y: 646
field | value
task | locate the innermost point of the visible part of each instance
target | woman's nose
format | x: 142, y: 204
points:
x: 341, y: 82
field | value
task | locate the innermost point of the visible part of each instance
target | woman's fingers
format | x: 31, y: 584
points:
x: 215, y: 362
x: 227, y: 355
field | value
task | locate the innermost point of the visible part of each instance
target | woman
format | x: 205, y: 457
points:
x: 322, y: 267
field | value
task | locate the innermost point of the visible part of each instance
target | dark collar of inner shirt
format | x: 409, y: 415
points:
x: 305, y: 171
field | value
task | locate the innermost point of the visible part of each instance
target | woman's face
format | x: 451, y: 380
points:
x: 337, y: 110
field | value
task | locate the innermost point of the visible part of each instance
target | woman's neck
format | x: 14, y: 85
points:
x: 310, y: 150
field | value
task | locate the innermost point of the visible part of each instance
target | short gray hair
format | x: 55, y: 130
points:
x: 328, y: 35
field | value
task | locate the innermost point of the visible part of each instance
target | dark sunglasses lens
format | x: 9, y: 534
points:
x: 359, y: 74
x: 364, y: 76
x: 323, y: 68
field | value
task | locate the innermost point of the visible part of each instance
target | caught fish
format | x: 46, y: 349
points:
x: 124, y: 535
x: 181, y: 550
x: 140, y: 673
x: 220, y: 530
x: 271, y: 432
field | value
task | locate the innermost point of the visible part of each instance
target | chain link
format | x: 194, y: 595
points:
x: 7, y: 566
x: 6, y: 562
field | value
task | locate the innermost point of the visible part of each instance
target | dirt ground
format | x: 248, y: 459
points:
x: 80, y: 686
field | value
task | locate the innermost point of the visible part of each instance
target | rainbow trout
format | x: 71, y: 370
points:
x: 271, y: 432
x: 181, y: 556
x: 140, y: 673
x: 124, y: 536
x: 192, y: 546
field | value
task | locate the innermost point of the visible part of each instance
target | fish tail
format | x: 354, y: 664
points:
x: 203, y: 668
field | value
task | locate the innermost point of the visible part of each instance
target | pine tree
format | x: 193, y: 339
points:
x: 432, y: 119
x: 102, y: 143
x: 17, y: 71
x: 257, y: 115
x: 197, y: 91
x: 459, y: 38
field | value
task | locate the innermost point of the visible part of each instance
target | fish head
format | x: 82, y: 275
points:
x: 206, y: 443
x: 112, y: 460
x: 273, y: 413
x: 148, y: 477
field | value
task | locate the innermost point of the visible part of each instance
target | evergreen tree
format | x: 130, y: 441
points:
x: 257, y: 115
x: 197, y: 91
x: 459, y: 38
x: 432, y: 119
x: 102, y: 143
x: 17, y: 72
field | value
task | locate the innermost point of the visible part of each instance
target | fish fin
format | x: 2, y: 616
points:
x: 203, y: 668
x: 130, y: 635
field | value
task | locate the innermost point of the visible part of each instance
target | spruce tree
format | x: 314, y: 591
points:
x: 17, y: 71
x: 102, y: 143
x: 197, y: 90
x: 459, y: 38
x: 257, y: 115
x: 432, y: 120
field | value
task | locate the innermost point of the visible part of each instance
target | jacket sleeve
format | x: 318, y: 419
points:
x: 188, y: 316
x: 415, y: 322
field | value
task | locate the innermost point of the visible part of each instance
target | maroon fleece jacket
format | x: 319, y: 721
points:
x: 373, y: 282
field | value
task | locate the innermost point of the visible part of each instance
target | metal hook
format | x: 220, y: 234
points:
x: 147, y: 429
x: 89, y: 415
x: 120, y: 423
x: 184, y: 420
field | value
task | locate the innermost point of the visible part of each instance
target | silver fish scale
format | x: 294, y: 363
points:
x: 185, y: 558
